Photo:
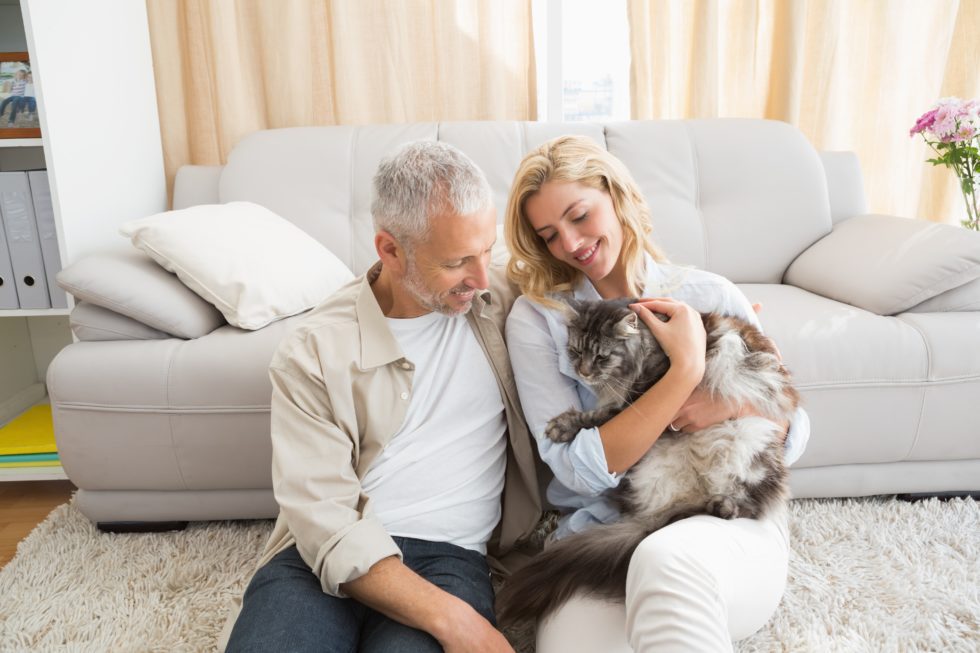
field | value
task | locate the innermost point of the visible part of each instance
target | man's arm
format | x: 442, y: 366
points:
x: 396, y: 591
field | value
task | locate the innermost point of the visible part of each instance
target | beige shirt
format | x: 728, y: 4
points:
x: 340, y: 391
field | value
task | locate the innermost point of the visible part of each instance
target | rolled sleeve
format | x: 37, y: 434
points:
x: 352, y: 552
x: 315, y: 484
x: 580, y: 464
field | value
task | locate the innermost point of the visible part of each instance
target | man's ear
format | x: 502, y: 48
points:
x: 390, y: 251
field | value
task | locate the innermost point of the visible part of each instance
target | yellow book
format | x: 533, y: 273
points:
x: 30, y: 432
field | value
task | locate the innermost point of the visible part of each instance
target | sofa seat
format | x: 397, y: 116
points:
x: 862, y: 373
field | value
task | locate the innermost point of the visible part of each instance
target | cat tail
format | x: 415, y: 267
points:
x: 594, y: 562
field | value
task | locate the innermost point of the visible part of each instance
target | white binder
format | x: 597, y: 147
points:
x: 47, y: 234
x: 17, y: 213
x: 8, y: 291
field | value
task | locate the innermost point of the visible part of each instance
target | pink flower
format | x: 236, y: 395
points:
x: 965, y: 132
x: 924, y: 122
x: 944, y: 127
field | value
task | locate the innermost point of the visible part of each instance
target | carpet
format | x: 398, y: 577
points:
x: 870, y: 574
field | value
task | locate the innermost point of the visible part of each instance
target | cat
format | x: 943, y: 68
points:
x: 732, y: 469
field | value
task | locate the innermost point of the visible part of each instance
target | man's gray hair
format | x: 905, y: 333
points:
x: 423, y: 179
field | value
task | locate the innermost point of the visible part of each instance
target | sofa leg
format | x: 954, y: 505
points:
x: 140, y: 526
x: 942, y: 496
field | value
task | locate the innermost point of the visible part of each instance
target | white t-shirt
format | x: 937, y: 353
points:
x: 441, y: 475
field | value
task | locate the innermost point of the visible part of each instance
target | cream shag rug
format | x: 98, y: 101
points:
x: 865, y: 575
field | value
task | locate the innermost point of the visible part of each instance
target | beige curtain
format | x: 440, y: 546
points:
x: 226, y: 68
x: 851, y: 74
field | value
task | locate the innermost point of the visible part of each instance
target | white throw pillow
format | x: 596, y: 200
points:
x: 886, y: 264
x: 252, y: 265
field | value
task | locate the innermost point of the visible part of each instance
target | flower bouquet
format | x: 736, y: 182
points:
x: 952, y: 130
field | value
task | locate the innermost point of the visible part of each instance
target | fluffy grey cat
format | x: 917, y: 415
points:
x: 732, y: 469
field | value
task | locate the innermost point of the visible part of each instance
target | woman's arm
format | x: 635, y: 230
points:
x: 590, y: 463
x: 627, y: 436
x: 546, y: 392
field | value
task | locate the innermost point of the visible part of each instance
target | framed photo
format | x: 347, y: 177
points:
x: 18, y: 106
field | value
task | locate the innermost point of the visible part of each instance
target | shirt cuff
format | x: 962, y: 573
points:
x: 590, y: 462
x: 796, y: 437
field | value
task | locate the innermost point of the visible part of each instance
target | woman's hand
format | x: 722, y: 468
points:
x: 701, y: 410
x: 682, y: 335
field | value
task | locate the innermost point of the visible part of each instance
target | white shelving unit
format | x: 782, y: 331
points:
x: 32, y: 474
x: 21, y: 142
x: 104, y: 168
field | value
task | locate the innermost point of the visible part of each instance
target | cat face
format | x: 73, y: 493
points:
x: 603, y: 341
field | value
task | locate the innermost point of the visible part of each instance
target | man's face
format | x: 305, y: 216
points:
x: 447, y: 269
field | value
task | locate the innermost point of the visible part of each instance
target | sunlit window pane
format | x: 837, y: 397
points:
x: 595, y: 60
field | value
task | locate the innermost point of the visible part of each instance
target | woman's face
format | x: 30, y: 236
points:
x: 579, y: 226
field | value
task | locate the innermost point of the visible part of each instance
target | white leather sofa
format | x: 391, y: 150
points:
x: 153, y: 427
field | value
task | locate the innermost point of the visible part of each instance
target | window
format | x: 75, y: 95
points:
x: 583, y: 61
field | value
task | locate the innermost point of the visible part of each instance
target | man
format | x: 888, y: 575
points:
x: 398, y: 440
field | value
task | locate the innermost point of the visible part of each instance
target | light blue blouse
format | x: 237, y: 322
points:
x: 537, y: 340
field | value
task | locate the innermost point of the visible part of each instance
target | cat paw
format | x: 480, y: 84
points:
x: 722, y: 506
x: 564, y: 427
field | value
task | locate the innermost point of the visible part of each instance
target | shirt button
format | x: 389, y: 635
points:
x: 404, y: 395
x: 407, y: 365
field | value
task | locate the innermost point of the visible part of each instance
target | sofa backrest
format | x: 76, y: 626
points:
x: 739, y: 197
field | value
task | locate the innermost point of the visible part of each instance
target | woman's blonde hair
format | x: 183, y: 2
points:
x: 573, y: 159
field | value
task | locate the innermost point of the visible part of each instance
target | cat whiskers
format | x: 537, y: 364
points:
x: 619, y: 388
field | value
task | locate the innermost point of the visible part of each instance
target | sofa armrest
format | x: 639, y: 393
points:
x: 131, y: 284
x: 195, y: 185
x: 845, y: 185
x: 886, y: 264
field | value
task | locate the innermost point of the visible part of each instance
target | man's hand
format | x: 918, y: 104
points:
x: 467, y: 631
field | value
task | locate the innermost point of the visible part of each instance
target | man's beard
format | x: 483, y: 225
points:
x: 429, y: 300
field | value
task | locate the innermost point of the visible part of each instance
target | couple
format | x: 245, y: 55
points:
x: 401, y: 451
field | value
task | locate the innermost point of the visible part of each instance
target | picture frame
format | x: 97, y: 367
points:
x: 18, y: 104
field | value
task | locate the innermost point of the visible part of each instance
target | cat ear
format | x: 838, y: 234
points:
x: 628, y: 326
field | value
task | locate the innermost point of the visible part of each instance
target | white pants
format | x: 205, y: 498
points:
x: 695, y: 585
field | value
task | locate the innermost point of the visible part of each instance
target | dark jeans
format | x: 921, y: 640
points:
x: 285, y: 610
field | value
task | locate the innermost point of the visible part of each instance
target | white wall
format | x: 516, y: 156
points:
x: 94, y: 80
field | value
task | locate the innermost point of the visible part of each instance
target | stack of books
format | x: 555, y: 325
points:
x: 27, y: 443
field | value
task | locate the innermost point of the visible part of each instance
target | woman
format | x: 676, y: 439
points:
x: 577, y: 225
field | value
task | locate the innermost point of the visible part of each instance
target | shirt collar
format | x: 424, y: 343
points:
x: 378, y: 345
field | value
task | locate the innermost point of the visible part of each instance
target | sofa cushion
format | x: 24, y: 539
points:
x: 131, y: 284
x: 252, y: 265
x: 91, y: 323
x: 886, y: 264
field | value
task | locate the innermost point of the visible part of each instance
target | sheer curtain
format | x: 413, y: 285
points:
x: 851, y: 74
x: 227, y: 68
